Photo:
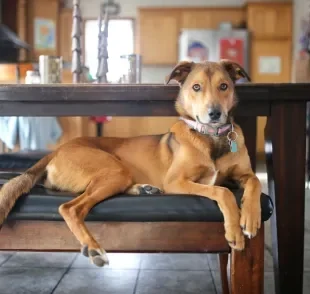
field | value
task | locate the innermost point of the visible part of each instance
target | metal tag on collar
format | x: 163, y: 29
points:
x: 232, y: 140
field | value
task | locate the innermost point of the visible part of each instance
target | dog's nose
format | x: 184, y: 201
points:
x: 214, y: 113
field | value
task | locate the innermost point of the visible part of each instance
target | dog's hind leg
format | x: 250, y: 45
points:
x: 104, y: 185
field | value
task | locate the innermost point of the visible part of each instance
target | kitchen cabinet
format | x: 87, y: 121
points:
x: 158, y: 33
x: 270, y: 20
x: 65, y: 29
x: 271, y: 61
x: 158, y: 29
x: 210, y: 18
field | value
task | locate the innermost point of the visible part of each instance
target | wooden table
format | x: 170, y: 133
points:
x: 283, y: 104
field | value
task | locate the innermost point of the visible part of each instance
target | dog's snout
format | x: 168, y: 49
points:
x: 214, y: 113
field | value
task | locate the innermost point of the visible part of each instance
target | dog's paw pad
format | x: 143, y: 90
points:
x: 150, y: 190
x: 99, y: 261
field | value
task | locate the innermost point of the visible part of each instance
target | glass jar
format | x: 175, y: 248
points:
x: 131, y: 65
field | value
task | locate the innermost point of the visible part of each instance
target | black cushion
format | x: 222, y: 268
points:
x: 42, y: 204
x: 20, y: 160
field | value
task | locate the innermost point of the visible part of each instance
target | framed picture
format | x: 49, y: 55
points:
x: 197, y: 51
x: 232, y: 49
x: 44, y: 34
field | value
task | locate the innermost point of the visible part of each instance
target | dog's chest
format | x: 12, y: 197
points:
x: 220, y: 147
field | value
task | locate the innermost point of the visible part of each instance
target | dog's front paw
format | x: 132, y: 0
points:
x: 97, y: 256
x: 234, y: 237
x: 250, y: 220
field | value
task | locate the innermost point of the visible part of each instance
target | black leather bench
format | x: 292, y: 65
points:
x: 20, y: 160
x: 42, y: 203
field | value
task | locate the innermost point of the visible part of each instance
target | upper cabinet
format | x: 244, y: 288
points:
x: 270, y: 20
x: 65, y: 39
x: 158, y: 31
x: 210, y: 18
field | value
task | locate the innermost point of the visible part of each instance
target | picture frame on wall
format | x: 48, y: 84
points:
x: 44, y: 34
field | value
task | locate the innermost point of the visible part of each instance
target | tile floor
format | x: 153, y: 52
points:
x: 65, y: 273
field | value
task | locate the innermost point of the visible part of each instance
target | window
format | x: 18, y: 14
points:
x: 120, y: 42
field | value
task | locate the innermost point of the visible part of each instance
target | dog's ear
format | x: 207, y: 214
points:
x: 180, y: 72
x: 235, y: 70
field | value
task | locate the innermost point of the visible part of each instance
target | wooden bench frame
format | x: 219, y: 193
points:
x: 246, y: 270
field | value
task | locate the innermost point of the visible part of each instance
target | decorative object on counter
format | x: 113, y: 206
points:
x: 50, y: 68
x: 225, y: 26
x: 132, y: 65
x: 108, y: 8
x: 32, y: 77
x: 111, y: 7
x: 76, y: 42
x: 103, y: 47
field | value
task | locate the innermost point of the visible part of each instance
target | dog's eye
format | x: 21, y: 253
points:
x: 196, y: 87
x: 223, y: 87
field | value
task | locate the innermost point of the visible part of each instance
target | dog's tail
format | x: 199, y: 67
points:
x: 20, y: 185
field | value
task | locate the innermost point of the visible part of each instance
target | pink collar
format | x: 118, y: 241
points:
x: 207, y: 129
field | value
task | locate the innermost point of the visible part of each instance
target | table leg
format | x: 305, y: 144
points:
x: 285, y: 136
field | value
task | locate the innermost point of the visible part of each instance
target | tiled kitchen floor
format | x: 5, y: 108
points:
x: 65, y: 273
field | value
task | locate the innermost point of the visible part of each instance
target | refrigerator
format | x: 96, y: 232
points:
x: 199, y: 44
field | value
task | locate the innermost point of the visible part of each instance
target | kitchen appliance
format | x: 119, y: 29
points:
x: 200, y: 44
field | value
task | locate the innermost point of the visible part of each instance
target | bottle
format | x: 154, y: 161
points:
x: 32, y: 77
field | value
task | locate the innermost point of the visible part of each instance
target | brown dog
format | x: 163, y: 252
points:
x: 200, y: 151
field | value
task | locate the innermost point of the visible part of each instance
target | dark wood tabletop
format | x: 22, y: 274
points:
x: 151, y: 99
x: 285, y: 135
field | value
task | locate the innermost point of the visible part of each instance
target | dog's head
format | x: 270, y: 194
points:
x: 207, y: 90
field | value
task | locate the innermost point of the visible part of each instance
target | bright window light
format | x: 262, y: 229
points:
x: 120, y: 42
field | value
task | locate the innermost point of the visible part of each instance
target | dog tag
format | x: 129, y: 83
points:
x: 233, y: 146
x: 232, y: 140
